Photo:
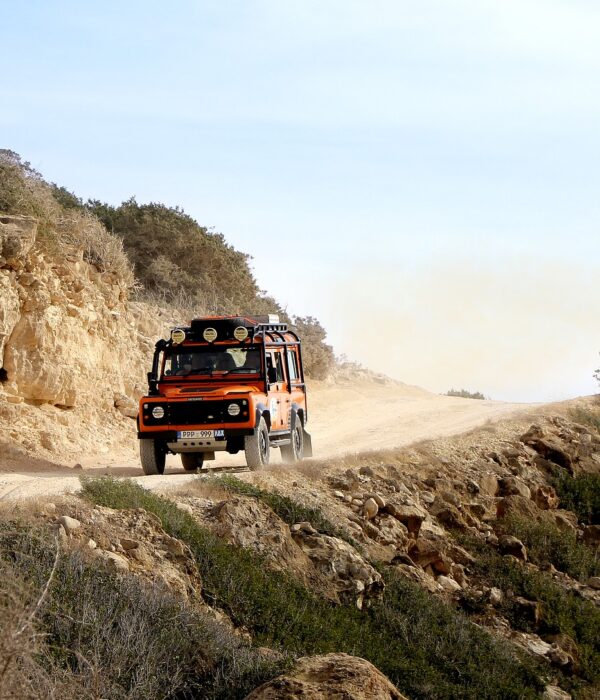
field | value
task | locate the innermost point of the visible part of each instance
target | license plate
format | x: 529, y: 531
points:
x: 195, y: 434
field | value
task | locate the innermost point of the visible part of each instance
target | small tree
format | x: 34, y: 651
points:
x: 318, y: 355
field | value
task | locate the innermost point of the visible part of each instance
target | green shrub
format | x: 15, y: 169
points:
x: 317, y: 355
x: 174, y: 258
x: 548, y: 544
x: 586, y: 416
x: 581, y: 494
x: 424, y: 646
x: 561, y: 611
x: 116, y: 636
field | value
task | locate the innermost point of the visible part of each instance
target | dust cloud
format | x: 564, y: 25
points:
x: 515, y: 329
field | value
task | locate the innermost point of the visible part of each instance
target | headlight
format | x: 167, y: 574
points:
x: 233, y: 409
x: 158, y: 412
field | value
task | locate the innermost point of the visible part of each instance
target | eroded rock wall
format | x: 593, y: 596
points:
x: 73, y: 351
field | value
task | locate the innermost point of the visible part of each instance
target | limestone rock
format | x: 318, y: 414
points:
x: 449, y: 585
x: 69, y: 524
x: 545, y: 497
x: 116, y: 561
x: 329, y: 676
x: 591, y: 535
x: 127, y: 407
x: 17, y: 236
x: 507, y: 544
x: 514, y: 486
x: 410, y: 515
x: 341, y: 565
x: 528, y: 609
x: 547, y: 446
x: 553, y: 692
x: 488, y: 485
x: 517, y: 505
x: 370, y: 508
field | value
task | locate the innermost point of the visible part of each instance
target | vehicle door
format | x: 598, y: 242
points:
x: 298, y: 393
x: 279, y: 398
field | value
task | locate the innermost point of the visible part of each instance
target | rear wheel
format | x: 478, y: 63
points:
x: 257, y: 446
x: 294, y: 452
x: 152, y: 455
x: 192, y: 461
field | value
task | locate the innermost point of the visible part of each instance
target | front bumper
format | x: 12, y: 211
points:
x: 171, y: 435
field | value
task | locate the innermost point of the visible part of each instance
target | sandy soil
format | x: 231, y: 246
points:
x: 343, y: 418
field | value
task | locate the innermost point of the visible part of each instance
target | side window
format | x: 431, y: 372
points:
x: 292, y: 365
x: 279, y: 366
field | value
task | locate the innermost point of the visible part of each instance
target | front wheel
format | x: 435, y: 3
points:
x: 294, y: 452
x: 257, y: 446
x: 192, y: 461
x: 152, y: 456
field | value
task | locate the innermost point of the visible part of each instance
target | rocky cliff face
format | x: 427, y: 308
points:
x: 73, y: 351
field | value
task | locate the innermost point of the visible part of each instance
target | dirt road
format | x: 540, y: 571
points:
x: 343, y: 418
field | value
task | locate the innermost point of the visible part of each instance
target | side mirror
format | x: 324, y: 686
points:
x: 272, y: 375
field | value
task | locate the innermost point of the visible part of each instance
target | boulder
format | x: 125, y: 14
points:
x: 370, y: 508
x: 329, y: 676
x: 591, y: 535
x: 248, y: 522
x: 519, y: 506
x: 392, y: 531
x: 69, y: 524
x: 549, y: 447
x: 514, y: 486
x: 409, y: 515
x: 529, y: 610
x: 449, y: 585
x: 507, y: 544
x: 352, y: 577
x: 545, y: 497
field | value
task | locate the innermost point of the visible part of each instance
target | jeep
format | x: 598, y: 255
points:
x: 225, y: 383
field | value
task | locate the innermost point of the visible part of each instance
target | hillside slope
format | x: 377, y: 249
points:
x: 466, y: 567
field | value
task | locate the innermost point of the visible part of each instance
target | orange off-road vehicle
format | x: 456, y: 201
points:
x: 225, y: 384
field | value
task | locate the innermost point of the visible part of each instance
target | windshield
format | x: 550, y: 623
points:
x: 186, y: 361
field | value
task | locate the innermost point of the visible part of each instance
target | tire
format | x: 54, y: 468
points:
x: 152, y: 455
x: 294, y: 452
x: 192, y: 461
x: 257, y: 446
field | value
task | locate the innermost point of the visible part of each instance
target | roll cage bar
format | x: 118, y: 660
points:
x: 272, y: 335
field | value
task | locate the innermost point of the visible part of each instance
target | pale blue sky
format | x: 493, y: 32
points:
x: 429, y: 171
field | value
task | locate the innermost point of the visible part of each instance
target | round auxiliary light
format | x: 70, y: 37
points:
x: 177, y: 336
x: 158, y: 412
x: 233, y: 409
x: 210, y: 335
x: 240, y: 333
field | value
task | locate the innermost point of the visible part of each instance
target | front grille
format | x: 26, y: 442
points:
x: 203, y: 413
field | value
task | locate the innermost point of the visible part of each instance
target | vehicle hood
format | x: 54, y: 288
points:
x: 212, y: 392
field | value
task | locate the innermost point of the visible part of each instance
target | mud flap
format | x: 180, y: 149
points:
x: 308, y: 450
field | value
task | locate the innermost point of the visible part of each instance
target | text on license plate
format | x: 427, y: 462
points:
x: 195, y: 434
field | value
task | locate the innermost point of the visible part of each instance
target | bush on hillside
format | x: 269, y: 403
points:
x: 317, y: 355
x: 428, y: 649
x: 464, y: 394
x: 102, y: 634
x: 581, y: 494
x: 177, y: 262
x: 61, y: 222
x: 175, y: 257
